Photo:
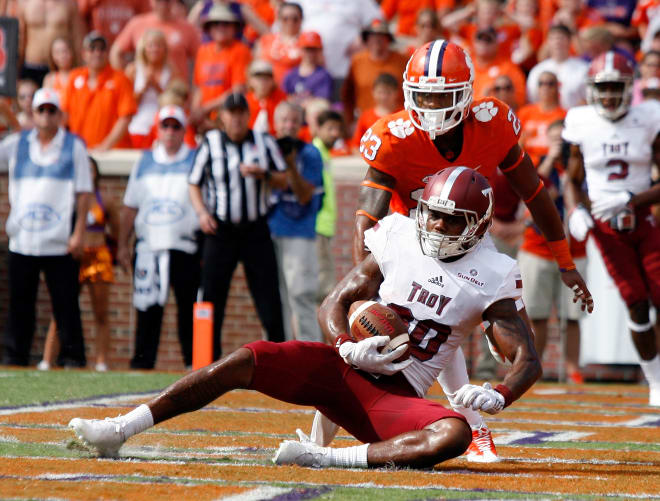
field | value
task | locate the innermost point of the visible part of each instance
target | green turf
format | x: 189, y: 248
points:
x: 24, y: 387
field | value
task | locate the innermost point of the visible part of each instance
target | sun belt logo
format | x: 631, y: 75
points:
x: 401, y: 128
x: 470, y: 278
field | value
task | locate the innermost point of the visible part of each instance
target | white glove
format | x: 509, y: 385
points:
x: 579, y: 223
x: 607, y: 207
x: 480, y: 398
x: 365, y: 355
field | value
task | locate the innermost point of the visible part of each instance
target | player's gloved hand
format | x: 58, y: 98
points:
x: 607, y: 207
x: 365, y: 355
x: 579, y: 223
x: 480, y: 398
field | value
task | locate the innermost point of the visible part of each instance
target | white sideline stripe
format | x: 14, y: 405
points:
x: 258, y: 494
x: 71, y: 405
x: 642, y: 420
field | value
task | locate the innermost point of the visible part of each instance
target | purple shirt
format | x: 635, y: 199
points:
x: 318, y: 84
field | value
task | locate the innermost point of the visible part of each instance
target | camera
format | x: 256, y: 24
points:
x: 288, y: 144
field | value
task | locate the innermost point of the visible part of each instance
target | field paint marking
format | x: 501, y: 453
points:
x: 535, y: 437
x: 258, y: 494
x: 75, y: 403
x: 645, y: 420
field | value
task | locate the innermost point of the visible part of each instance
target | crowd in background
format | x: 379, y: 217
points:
x: 115, y: 65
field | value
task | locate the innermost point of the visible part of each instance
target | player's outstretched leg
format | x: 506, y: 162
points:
x: 192, y: 392
x: 644, y: 339
x: 440, y: 441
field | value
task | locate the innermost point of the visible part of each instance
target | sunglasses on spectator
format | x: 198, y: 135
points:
x: 51, y: 110
x: 547, y: 83
x: 171, y: 125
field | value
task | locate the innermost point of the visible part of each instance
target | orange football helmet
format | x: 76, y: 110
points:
x: 437, y: 86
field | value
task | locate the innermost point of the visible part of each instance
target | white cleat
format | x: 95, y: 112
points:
x: 105, y: 435
x: 654, y: 396
x: 482, y: 448
x: 300, y: 453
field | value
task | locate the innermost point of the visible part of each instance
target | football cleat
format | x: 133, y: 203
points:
x: 105, y: 435
x: 482, y: 448
x: 300, y: 453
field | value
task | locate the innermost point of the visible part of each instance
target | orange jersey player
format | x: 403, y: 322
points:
x: 442, y: 126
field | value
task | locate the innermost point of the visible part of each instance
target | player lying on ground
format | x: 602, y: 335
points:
x: 435, y: 273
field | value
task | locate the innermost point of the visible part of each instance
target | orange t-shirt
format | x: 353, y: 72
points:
x: 398, y: 148
x: 484, y: 77
x: 183, y: 38
x: 266, y: 105
x: 365, y: 120
x: 645, y: 10
x: 110, y: 16
x: 357, y: 92
x: 406, y: 12
x: 282, y: 53
x: 218, y: 70
x: 535, y: 123
x: 93, y: 112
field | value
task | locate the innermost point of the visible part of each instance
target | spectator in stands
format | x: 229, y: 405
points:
x: 339, y: 23
x: 327, y: 129
x: 427, y: 29
x: 150, y: 74
x: 99, y: 99
x: 543, y: 286
x: 406, y: 13
x: 281, y: 48
x: 649, y: 67
x: 651, y: 89
x: 487, y: 66
x: 221, y: 64
x: 157, y: 206
x: 177, y: 93
x: 386, y: 90
x: 40, y: 22
x: 49, y: 187
x: 233, y: 214
x: 309, y: 78
x: 25, y: 90
x: 293, y: 226
x: 617, y: 15
x: 526, y: 13
x: 504, y: 90
x: 575, y: 16
x: 60, y: 61
x: 571, y: 71
x: 378, y: 57
x: 597, y: 40
x: 263, y: 96
x: 535, y: 118
x: 182, y: 37
x: 258, y: 21
x: 96, y: 271
x: 643, y: 13
x: 109, y: 17
x: 8, y: 122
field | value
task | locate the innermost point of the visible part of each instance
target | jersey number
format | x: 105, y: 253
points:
x: 622, y: 165
x: 426, y: 336
x: 369, y: 145
x: 515, y: 122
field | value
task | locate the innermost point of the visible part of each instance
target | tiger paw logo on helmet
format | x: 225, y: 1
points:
x: 485, y: 112
x: 401, y: 128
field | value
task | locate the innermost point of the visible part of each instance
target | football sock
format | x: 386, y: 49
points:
x: 651, y: 369
x: 347, y: 457
x: 136, y: 421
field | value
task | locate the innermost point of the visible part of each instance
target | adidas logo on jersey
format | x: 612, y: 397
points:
x: 436, y: 281
x: 401, y: 128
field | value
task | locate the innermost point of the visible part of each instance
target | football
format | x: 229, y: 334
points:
x: 370, y: 318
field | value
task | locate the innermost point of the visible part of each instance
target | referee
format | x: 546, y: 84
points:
x: 235, y: 169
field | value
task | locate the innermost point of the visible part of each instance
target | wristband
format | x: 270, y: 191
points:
x: 341, y: 339
x: 560, y: 250
x: 506, y: 393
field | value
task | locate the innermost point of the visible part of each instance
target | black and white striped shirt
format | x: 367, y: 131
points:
x: 230, y: 196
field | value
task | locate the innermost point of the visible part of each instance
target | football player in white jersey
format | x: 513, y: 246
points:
x: 441, y: 279
x: 613, y: 146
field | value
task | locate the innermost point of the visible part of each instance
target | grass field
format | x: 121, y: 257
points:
x: 558, y: 442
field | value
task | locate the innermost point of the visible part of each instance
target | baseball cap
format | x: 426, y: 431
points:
x: 220, y: 13
x: 172, y: 111
x: 235, y: 101
x: 93, y: 36
x: 377, y: 26
x: 488, y: 34
x: 310, y: 40
x: 45, y: 96
x: 260, y: 67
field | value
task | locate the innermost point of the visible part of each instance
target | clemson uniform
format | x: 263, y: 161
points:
x: 617, y: 157
x: 393, y: 145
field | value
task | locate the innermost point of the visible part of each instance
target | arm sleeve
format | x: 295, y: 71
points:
x: 570, y: 133
x: 511, y: 287
x: 376, y: 239
x: 202, y: 157
x: 83, y: 175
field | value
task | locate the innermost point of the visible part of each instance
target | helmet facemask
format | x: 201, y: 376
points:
x: 439, y: 245
x: 620, y: 90
x: 436, y: 120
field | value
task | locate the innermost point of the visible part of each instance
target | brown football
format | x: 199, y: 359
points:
x: 369, y: 318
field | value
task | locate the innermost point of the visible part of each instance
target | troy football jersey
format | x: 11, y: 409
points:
x: 395, y: 146
x: 617, y: 155
x: 442, y: 302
